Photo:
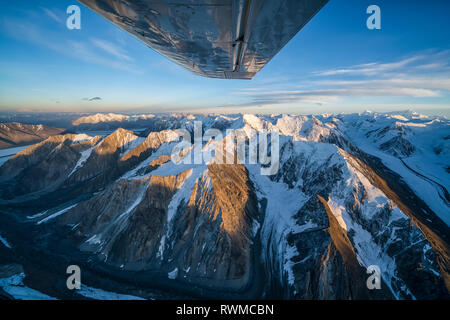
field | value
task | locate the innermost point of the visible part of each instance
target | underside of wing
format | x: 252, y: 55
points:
x: 230, y: 39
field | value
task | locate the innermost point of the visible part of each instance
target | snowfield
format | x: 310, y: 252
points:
x: 4, y: 242
x: 99, y: 294
x: 14, y: 286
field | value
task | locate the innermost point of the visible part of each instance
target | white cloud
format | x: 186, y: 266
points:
x: 324, y: 96
x: 370, y: 68
x: 80, y: 50
x: 111, y: 48
x: 420, y: 76
x: 53, y: 15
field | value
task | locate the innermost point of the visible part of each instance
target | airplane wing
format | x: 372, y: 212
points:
x: 230, y: 39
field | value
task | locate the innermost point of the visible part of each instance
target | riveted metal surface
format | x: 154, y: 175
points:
x: 231, y: 39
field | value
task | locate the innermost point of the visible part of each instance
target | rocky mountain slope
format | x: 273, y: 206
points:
x: 352, y: 191
x: 16, y: 134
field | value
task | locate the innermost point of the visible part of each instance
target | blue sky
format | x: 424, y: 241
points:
x: 335, y: 64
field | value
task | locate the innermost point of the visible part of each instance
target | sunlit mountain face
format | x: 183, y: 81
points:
x: 147, y: 210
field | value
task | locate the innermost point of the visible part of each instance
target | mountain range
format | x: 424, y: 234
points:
x: 351, y: 191
x: 16, y: 134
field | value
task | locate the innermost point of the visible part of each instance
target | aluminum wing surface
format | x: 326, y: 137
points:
x: 231, y: 39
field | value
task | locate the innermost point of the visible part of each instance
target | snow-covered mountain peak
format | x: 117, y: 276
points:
x: 100, y: 117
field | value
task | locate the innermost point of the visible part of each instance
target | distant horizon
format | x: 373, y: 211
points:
x: 427, y: 112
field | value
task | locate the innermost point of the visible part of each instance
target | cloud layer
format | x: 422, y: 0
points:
x: 420, y: 76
